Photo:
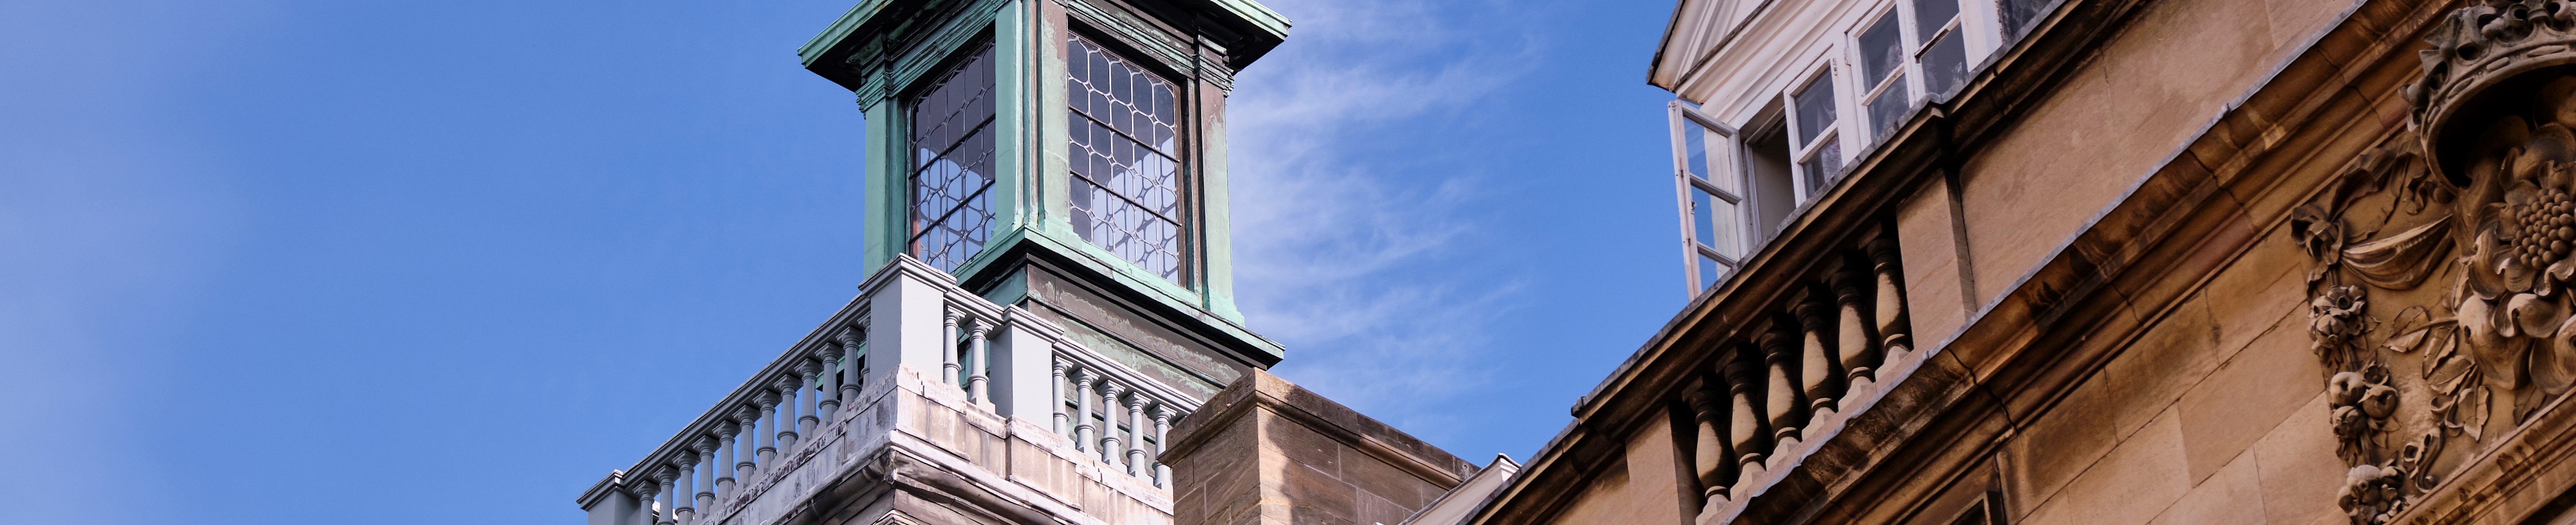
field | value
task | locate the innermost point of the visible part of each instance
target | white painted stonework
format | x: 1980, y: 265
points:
x: 903, y: 446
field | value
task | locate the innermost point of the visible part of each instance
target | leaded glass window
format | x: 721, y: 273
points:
x: 952, y: 163
x: 1126, y: 187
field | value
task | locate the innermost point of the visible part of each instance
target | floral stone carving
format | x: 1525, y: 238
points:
x: 2372, y: 494
x: 2502, y: 237
x: 2478, y: 199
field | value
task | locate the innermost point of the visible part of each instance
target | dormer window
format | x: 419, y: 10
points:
x: 1125, y: 158
x: 952, y: 162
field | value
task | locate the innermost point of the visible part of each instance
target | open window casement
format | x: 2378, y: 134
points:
x: 1710, y: 188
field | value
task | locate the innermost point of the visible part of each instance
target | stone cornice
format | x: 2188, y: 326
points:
x: 2522, y: 474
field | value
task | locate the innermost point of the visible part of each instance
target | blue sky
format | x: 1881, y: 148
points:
x: 289, y: 262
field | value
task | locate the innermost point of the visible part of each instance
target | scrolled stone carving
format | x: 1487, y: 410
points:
x: 2477, y: 198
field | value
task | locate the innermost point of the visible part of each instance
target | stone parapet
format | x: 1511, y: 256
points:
x: 913, y: 452
x: 915, y: 401
x: 1266, y: 451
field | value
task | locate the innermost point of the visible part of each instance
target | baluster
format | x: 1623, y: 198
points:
x: 707, y: 467
x: 1136, y: 465
x: 1162, y: 442
x: 1893, y: 326
x: 1816, y: 368
x: 1055, y: 393
x: 1082, y: 399
x: 669, y: 513
x: 1744, y: 388
x: 1709, y: 456
x: 685, y: 511
x: 1859, y: 338
x: 948, y: 344
x: 1109, y: 450
x: 828, y: 401
x: 850, y: 371
x: 747, y: 465
x: 982, y: 364
x: 808, y: 397
x: 786, y: 389
x: 652, y: 508
x: 725, y: 466
x: 1780, y: 359
x: 768, y: 440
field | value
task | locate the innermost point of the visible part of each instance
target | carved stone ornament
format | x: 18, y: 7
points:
x: 2479, y: 197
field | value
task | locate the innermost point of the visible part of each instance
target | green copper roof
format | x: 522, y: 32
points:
x: 840, y: 29
x: 1270, y: 27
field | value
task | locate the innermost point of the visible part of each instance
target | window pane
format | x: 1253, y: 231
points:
x: 1818, y: 170
x: 1702, y: 206
x: 1815, y: 108
x: 1719, y: 228
x: 1722, y: 167
x: 1695, y: 145
x: 1931, y: 15
x: 1887, y: 108
x: 2019, y: 14
x: 1945, y: 64
x: 1807, y: 174
x: 1125, y: 193
x: 1880, y: 50
x: 952, y: 153
x: 1709, y: 272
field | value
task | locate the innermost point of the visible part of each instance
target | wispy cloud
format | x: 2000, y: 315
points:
x: 1341, y: 242
x: 108, y: 224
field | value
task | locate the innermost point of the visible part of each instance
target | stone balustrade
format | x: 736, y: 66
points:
x: 1790, y: 379
x: 1106, y: 406
x: 744, y: 435
x: 881, y: 372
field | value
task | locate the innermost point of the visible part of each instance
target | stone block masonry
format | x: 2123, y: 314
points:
x: 1265, y: 451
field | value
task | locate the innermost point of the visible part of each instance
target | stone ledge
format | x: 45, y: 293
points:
x: 1262, y: 390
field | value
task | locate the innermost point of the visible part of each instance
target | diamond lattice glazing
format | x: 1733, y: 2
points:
x: 1126, y: 179
x: 952, y: 163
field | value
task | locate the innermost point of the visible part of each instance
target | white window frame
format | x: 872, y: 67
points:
x: 1975, y: 44
x: 1728, y: 146
x: 1913, y: 43
x: 1799, y: 154
x: 1908, y: 75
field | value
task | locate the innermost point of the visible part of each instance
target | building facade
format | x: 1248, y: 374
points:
x: 1050, y: 293
x: 2101, y: 262
x: 1951, y: 262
